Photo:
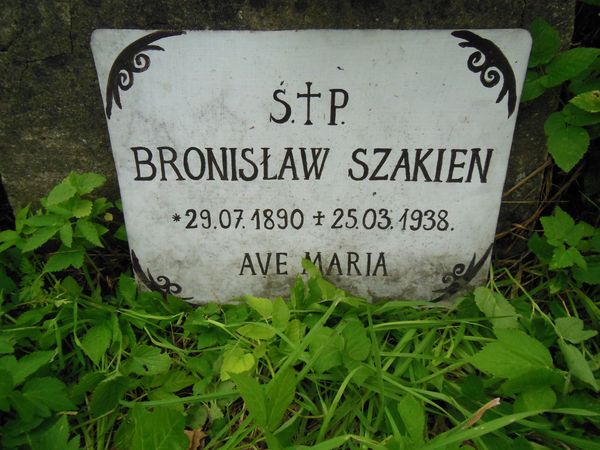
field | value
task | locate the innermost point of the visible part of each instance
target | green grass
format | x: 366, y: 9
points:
x: 81, y: 367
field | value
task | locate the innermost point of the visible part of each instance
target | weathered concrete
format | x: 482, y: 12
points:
x: 51, y: 109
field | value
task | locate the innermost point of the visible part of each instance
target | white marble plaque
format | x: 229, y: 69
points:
x: 379, y: 155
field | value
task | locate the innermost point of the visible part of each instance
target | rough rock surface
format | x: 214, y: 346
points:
x: 51, y: 112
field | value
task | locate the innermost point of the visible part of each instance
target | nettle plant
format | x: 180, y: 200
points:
x: 568, y: 250
x: 570, y: 130
x: 571, y: 250
x: 58, y: 235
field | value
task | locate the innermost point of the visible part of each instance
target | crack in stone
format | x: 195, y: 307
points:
x: 27, y: 62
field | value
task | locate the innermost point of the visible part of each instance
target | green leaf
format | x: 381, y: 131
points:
x: 85, y: 183
x: 595, y: 241
x: 121, y: 233
x: 127, y: 288
x: 88, y: 230
x: 6, y: 344
x: 8, y: 238
x: 578, y: 117
x: 87, y: 383
x: 107, y: 394
x: 297, y: 293
x: 65, y: 258
x: 27, y: 365
x: 577, y: 364
x: 496, y: 308
x: 558, y: 227
x: 513, y: 354
x: 39, y: 238
x: 588, y: 101
x: 66, y: 234
x: 546, y: 42
x: 177, y: 380
x: 327, y: 289
x: 590, y: 274
x: 326, y: 349
x: 587, y: 230
x: 21, y: 217
x: 555, y: 122
x: 563, y: 257
x: 311, y: 269
x: 571, y: 329
x: 535, y: 400
x: 34, y: 316
x: 279, y: 396
x: 586, y: 81
x: 101, y: 207
x: 575, y: 234
x: 101, y: 229
x: 567, y: 146
x: 96, y: 342
x: 235, y: 361
x: 55, y: 437
x: 60, y: 193
x: 7, y: 285
x: 263, y: 306
x: 172, y: 400
x: 254, y: 397
x: 27, y: 410
x: 45, y: 220
x: 532, y: 379
x: 6, y: 383
x: 147, y: 360
x: 533, y: 86
x: 295, y: 331
x: 412, y: 414
x: 569, y: 64
x: 257, y: 331
x: 71, y: 286
x: 161, y: 428
x: 48, y: 394
x: 281, y: 314
x: 62, y: 211
x: 541, y: 248
x: 357, y: 344
x: 82, y: 208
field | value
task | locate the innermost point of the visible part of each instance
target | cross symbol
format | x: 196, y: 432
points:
x: 319, y: 216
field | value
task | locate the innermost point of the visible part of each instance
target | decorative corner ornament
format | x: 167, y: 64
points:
x: 131, y: 60
x: 161, y: 284
x: 489, y: 60
x: 461, y: 276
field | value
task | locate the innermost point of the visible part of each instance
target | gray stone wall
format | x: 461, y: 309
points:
x: 52, y: 119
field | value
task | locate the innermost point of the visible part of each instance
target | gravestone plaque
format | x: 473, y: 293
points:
x: 378, y: 155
